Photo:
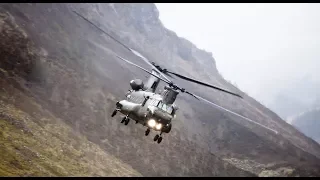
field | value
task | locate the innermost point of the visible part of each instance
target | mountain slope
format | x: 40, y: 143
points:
x: 34, y: 142
x: 39, y: 144
x: 69, y: 69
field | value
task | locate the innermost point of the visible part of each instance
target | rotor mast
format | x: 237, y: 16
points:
x: 152, y: 82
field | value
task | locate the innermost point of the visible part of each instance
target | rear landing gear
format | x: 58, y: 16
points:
x: 127, y: 121
x: 156, y: 137
x: 147, y: 132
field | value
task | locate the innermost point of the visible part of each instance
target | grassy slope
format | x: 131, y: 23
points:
x: 39, y: 144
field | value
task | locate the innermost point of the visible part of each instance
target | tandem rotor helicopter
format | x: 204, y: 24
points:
x: 152, y: 110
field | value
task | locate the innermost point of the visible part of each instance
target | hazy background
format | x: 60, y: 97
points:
x: 271, y: 51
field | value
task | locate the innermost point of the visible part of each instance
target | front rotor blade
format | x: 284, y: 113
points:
x: 149, y: 63
x: 204, y: 84
x: 126, y: 47
x: 245, y: 118
x: 143, y: 69
x: 101, y: 30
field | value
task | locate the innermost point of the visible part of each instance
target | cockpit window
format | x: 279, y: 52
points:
x: 161, y: 105
x: 165, y: 107
x: 169, y: 109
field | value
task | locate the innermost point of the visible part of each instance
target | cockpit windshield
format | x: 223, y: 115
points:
x: 165, y: 107
x: 159, y: 104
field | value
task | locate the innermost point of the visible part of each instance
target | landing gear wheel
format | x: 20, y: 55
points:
x: 123, y: 119
x: 147, y: 132
x: 159, y: 140
x: 137, y: 122
x: 156, y: 137
x: 167, y: 129
x: 127, y: 121
x: 114, y: 113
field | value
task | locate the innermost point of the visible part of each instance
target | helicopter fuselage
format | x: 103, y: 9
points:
x: 148, y: 109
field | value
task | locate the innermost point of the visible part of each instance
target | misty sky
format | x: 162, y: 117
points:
x: 261, y: 47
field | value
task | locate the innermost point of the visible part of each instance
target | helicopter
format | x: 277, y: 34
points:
x: 156, y: 111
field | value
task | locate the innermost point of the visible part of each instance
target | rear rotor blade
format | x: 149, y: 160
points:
x: 204, y: 84
x: 192, y: 95
x: 222, y: 108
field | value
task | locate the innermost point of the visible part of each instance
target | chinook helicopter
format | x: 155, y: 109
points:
x: 154, y: 110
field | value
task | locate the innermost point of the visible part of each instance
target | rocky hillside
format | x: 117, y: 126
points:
x: 60, y: 81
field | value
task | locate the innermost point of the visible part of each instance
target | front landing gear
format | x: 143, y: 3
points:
x: 118, y: 108
x: 158, y: 138
x: 125, y: 120
x: 114, y: 112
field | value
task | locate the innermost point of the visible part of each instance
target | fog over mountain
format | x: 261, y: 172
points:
x: 271, y: 51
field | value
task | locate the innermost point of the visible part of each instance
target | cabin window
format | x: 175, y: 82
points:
x: 169, y: 109
x: 141, y: 99
x: 151, y: 102
x: 164, y: 107
x: 135, y: 99
x: 156, y: 102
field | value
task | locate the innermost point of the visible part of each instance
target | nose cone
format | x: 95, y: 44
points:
x: 161, y: 116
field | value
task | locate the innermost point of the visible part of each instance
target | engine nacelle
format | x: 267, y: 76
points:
x: 136, y: 84
x: 169, y: 95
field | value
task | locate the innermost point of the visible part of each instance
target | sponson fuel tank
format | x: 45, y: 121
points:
x: 131, y: 108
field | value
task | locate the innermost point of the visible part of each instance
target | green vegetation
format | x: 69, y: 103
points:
x: 281, y: 172
x: 49, y: 148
